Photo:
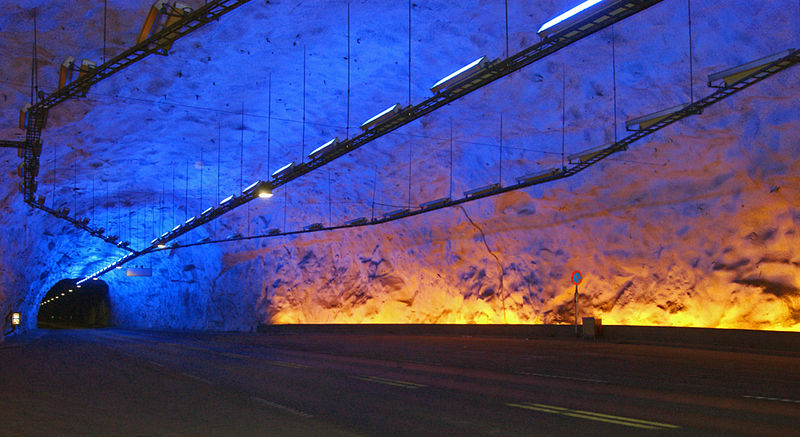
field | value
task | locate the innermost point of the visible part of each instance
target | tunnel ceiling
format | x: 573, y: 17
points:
x: 693, y: 226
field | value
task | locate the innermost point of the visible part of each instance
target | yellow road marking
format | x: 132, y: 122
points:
x: 582, y: 414
x: 387, y: 381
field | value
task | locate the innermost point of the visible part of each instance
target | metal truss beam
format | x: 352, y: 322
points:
x: 768, y: 70
x: 37, y: 114
x: 578, y: 30
x: 496, y: 70
x: 12, y: 144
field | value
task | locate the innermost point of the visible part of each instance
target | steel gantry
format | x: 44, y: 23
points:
x: 36, y: 116
x: 491, y: 72
x: 396, y: 117
x: 583, y: 160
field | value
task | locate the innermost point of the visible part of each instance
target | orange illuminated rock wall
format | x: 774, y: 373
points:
x: 696, y: 225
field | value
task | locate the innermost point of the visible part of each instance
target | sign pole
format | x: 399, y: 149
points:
x: 576, y: 310
x: 577, y: 277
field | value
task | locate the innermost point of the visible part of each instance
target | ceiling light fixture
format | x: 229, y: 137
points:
x: 461, y: 74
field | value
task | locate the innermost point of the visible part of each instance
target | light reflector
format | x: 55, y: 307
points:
x: 538, y: 176
x: 583, y: 156
x: 567, y: 15
x: 481, y: 190
x: 261, y: 188
x: 323, y: 149
x: 645, y: 121
x: 314, y: 227
x: 461, y: 74
x: 435, y: 203
x: 283, y: 170
x: 382, y: 117
x: 395, y: 213
x: 734, y: 74
x: 358, y: 221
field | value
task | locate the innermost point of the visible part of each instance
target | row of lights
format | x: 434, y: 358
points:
x: 57, y: 296
x: 258, y: 189
x: 551, y: 29
x: 159, y: 10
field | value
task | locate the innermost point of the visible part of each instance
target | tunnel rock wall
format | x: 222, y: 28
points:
x: 693, y: 226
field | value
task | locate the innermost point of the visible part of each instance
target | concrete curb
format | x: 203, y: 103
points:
x: 705, y: 338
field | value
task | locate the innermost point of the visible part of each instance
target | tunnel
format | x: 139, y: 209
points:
x: 67, y: 305
x: 337, y: 218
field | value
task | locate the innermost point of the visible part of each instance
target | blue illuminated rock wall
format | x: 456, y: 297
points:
x: 694, y: 226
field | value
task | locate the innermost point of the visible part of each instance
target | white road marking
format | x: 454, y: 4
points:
x: 232, y: 355
x: 765, y: 398
x: 387, y: 381
x: 281, y: 407
x: 156, y: 364
x: 196, y: 378
x: 562, y: 377
x: 288, y: 364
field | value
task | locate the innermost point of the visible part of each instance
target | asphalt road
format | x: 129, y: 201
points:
x: 142, y: 383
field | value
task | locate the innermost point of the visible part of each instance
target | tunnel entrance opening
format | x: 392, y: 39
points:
x: 68, y: 306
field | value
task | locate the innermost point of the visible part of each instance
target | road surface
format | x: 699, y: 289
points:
x: 144, y: 383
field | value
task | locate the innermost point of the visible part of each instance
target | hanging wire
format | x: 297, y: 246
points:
x: 330, y: 202
x: 75, y: 186
x: 563, y: 113
x: 614, y: 77
x: 410, y: 152
x: 500, y: 165
x: 174, y: 217
x: 186, y: 204
x: 105, y: 20
x: 409, y: 52
x: 202, y: 169
x: 451, y: 159
x: 506, y: 4
x: 34, y: 65
x: 130, y: 223
x: 108, y: 210
x: 348, y: 70
x: 374, y: 189
x: 161, y: 206
x: 54, y: 176
x: 285, y: 204
x: 241, y: 169
x: 269, y: 121
x: 119, y: 219
x: 144, y: 222
x: 303, y: 145
x: 241, y: 153
x: 219, y: 156
x: 219, y: 162
x: 691, y: 53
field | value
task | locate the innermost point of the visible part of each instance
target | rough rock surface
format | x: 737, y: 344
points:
x: 694, y: 226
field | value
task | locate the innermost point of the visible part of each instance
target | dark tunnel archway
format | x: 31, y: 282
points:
x: 67, y: 305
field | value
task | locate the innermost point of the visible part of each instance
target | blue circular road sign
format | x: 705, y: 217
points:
x: 577, y: 277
